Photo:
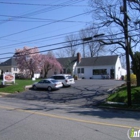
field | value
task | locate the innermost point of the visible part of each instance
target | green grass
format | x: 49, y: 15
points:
x: 121, y: 95
x: 19, y: 86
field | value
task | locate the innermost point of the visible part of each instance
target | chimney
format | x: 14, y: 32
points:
x: 78, y: 57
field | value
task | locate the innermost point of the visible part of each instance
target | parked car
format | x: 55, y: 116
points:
x: 66, y: 79
x: 48, y: 84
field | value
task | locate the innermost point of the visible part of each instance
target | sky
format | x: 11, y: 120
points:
x: 38, y: 23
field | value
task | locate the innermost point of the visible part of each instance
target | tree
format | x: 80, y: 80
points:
x: 49, y: 62
x: 28, y: 60
x: 60, y: 53
x: 72, y: 43
x: 136, y: 65
x: 93, y: 47
x: 107, y: 17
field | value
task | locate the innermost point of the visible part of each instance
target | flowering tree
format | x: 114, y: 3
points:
x: 49, y: 62
x: 28, y: 60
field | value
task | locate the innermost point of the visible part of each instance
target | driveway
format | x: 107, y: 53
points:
x: 85, y: 92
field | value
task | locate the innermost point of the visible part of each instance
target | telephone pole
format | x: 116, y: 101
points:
x: 127, y: 45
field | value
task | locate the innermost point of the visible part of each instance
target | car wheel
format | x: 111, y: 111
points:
x: 49, y: 89
x: 34, y: 87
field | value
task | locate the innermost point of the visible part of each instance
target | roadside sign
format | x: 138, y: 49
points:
x: 8, y: 77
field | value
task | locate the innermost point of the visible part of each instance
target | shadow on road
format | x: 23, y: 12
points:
x: 69, y: 95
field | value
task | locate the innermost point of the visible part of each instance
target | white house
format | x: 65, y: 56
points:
x: 100, y: 67
x: 9, y: 65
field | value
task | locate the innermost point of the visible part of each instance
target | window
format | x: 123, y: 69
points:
x: 82, y: 70
x: 42, y: 81
x: 46, y: 81
x: 15, y: 69
x: 78, y: 70
x: 60, y: 77
x: 99, y: 72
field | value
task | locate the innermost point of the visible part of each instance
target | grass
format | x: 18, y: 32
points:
x: 121, y: 96
x: 19, y: 86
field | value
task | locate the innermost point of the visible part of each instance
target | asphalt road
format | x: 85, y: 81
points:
x: 33, y: 120
x: 65, y: 114
x: 84, y: 92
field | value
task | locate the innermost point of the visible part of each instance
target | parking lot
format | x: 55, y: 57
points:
x: 84, y: 92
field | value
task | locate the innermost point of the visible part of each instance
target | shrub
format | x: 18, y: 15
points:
x: 75, y: 77
x: 132, y: 78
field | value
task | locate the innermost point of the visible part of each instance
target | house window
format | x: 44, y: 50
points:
x: 15, y: 69
x: 78, y: 70
x: 82, y: 70
x: 99, y: 72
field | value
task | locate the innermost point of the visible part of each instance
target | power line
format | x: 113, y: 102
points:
x: 37, y: 19
x: 45, y: 46
x: 45, y: 25
x: 49, y: 49
x: 31, y: 4
x: 58, y: 36
x: 46, y: 9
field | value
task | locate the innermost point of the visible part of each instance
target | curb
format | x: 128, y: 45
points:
x: 27, y: 87
x: 4, y: 94
x: 121, y: 109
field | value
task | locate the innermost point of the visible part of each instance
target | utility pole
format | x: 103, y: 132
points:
x: 127, y: 51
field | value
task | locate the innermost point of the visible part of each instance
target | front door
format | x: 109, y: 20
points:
x: 112, y: 73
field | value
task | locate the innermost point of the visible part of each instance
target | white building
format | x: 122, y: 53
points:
x: 101, y: 67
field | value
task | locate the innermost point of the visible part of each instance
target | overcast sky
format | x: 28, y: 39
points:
x: 39, y: 22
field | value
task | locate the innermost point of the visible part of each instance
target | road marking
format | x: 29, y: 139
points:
x: 68, y: 118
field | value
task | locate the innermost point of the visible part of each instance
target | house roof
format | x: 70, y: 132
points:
x: 9, y: 62
x: 98, y: 61
x: 68, y: 61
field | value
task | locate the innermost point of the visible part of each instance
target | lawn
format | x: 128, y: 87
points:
x: 121, y: 95
x: 19, y: 86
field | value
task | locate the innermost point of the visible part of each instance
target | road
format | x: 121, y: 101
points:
x: 85, y: 92
x: 33, y: 120
x: 23, y: 117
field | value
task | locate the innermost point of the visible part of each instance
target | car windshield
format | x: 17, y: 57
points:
x: 69, y: 77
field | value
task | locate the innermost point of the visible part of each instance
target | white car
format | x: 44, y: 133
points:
x: 48, y: 84
x: 66, y: 79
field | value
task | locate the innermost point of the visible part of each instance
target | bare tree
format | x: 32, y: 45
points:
x: 92, y: 47
x: 83, y: 34
x: 108, y: 17
x: 72, y: 45
x: 60, y: 53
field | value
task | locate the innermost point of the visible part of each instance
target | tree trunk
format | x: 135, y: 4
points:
x: 45, y: 74
x: 138, y: 78
x: 32, y: 74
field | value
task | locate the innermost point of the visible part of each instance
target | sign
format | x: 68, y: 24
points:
x: 8, y: 77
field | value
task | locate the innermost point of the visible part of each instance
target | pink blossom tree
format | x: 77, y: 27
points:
x: 49, y: 62
x: 28, y: 60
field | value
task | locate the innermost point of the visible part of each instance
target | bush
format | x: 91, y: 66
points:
x: 75, y: 77
x: 132, y: 78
